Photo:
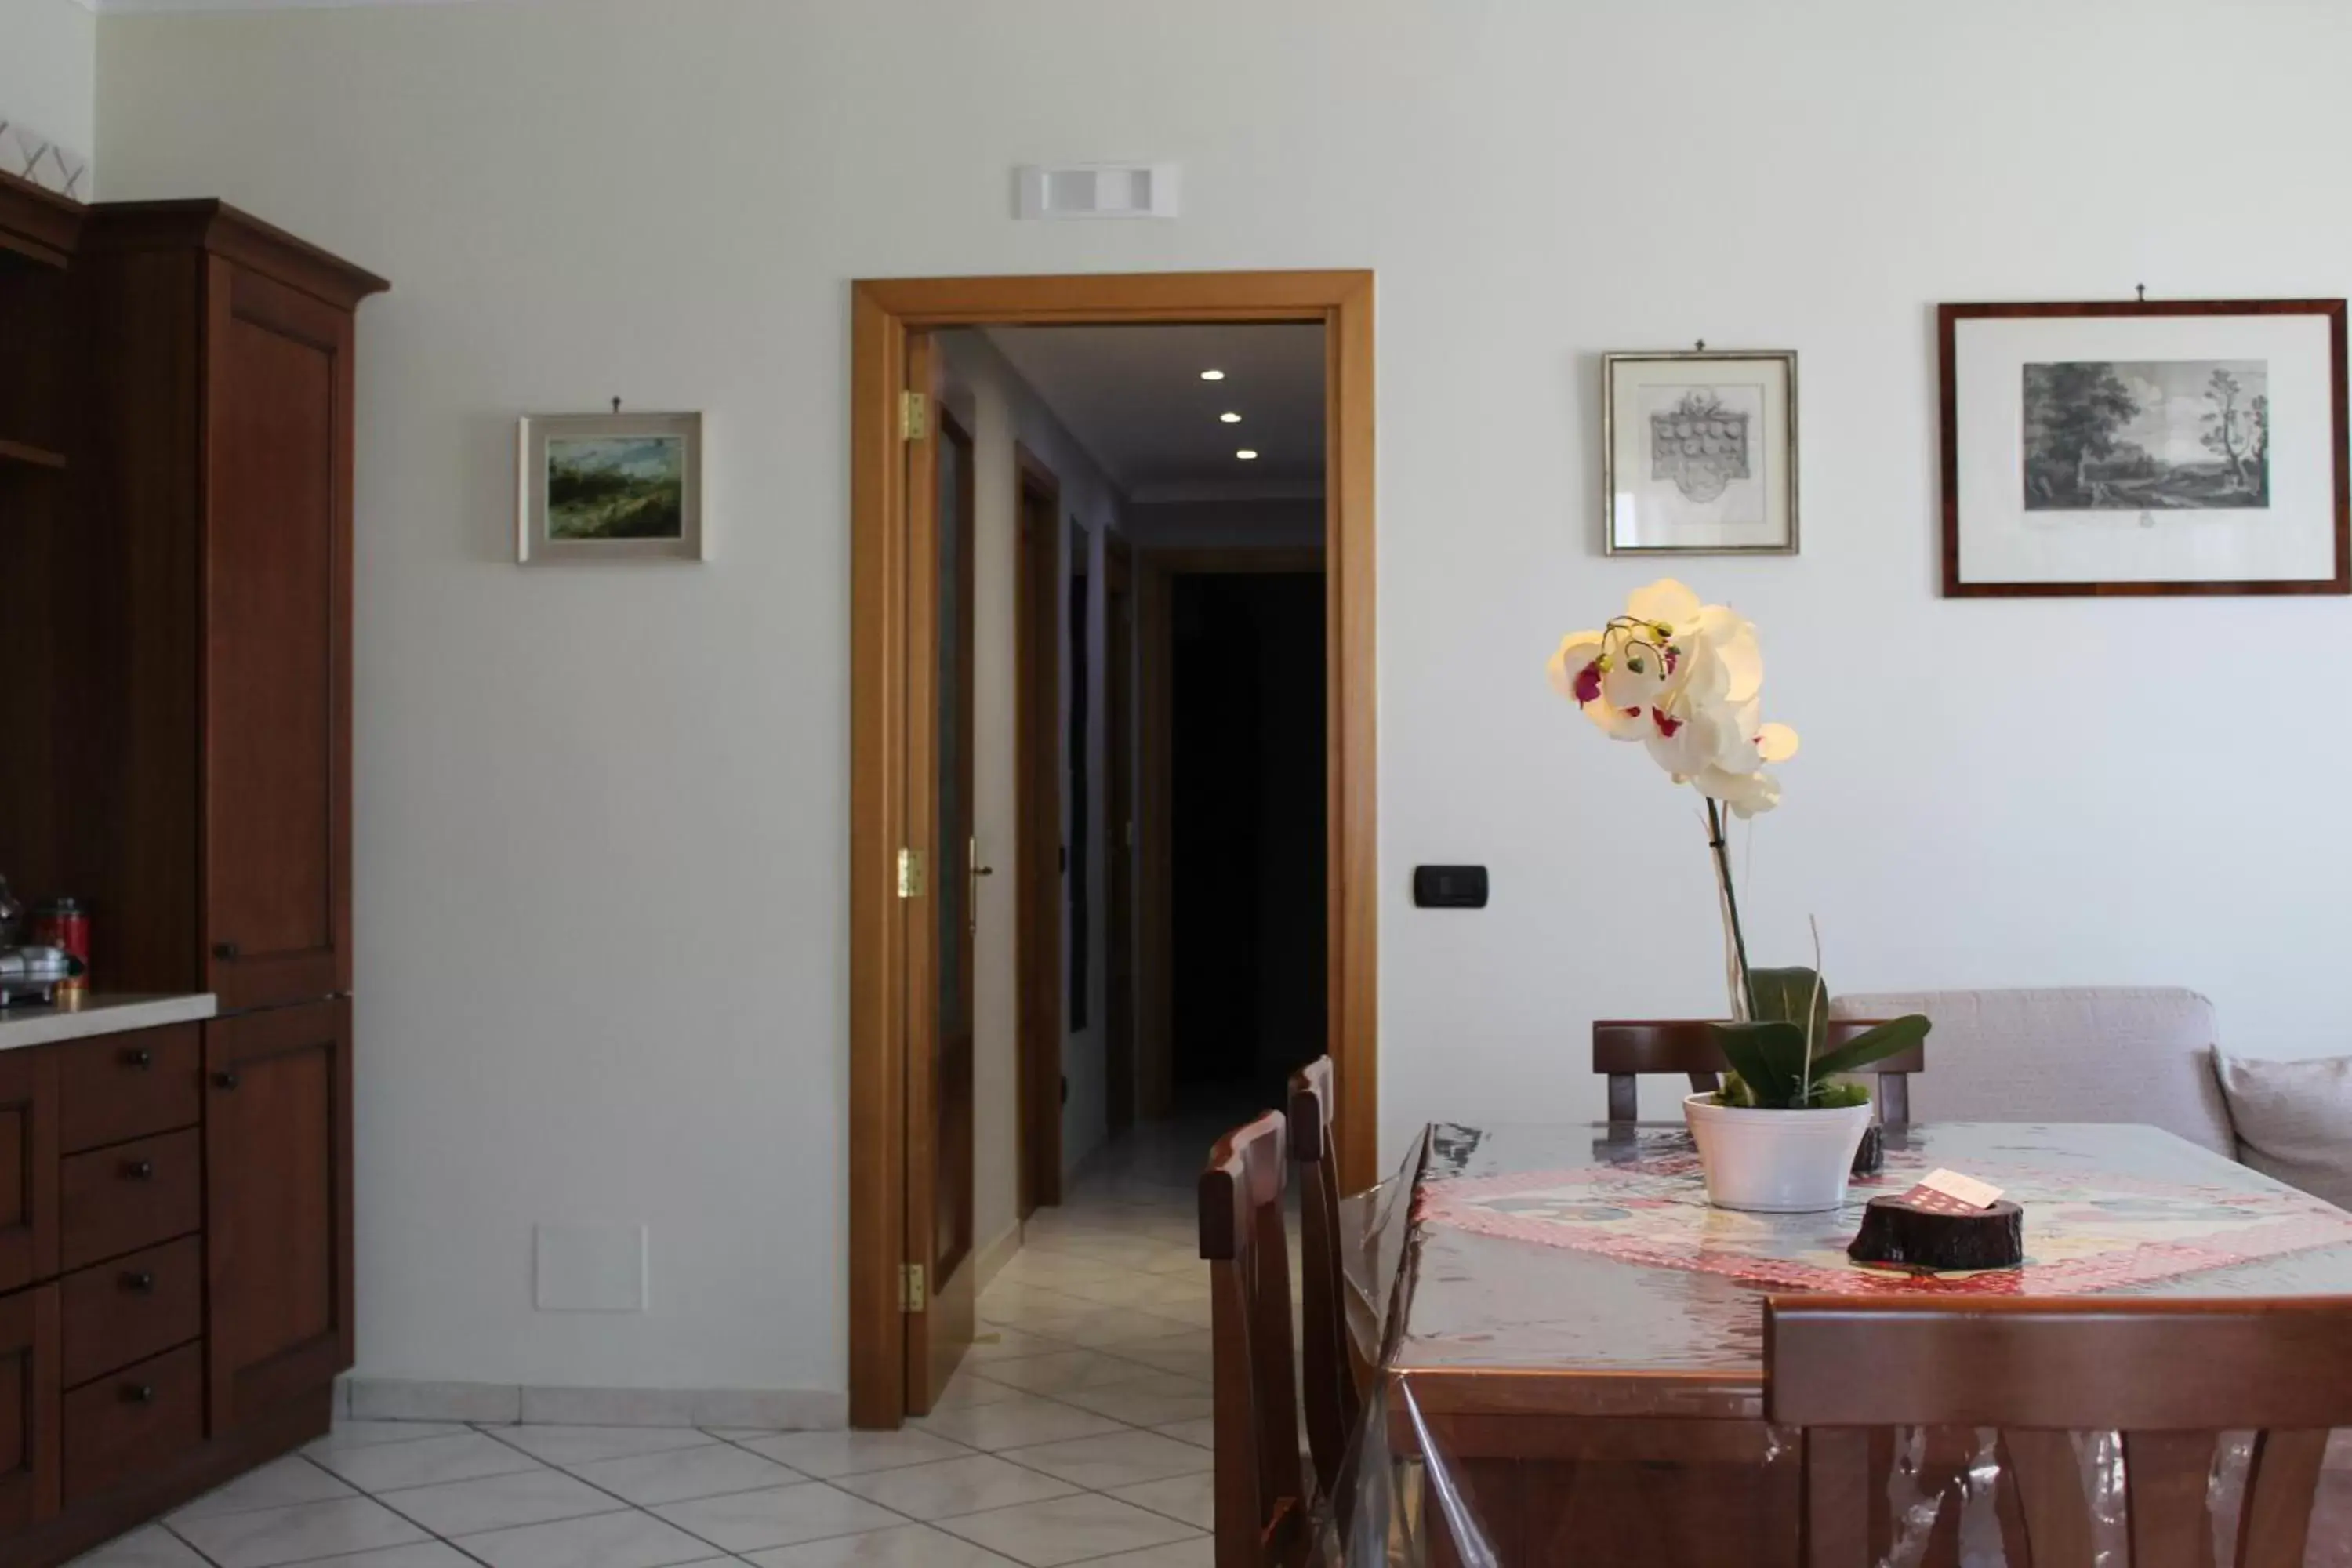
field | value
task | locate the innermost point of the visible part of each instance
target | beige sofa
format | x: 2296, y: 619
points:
x: 2098, y: 1052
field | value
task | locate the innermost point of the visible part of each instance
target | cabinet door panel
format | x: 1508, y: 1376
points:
x: 28, y: 1406
x: 278, y: 1140
x: 28, y: 1166
x: 277, y: 685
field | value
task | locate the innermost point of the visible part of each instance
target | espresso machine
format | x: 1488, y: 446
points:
x: 29, y: 975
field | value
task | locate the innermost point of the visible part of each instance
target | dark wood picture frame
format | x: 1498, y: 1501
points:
x: 1948, y: 317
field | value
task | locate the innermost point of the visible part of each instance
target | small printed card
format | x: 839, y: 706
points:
x: 1950, y: 1191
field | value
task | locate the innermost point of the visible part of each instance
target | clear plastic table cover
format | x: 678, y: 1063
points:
x: 1568, y: 1344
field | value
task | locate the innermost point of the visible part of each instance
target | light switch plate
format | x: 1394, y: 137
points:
x: 588, y: 1267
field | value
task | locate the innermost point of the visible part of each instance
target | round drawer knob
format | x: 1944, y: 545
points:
x: 139, y: 1394
x: 225, y: 950
x: 139, y: 1170
x: 224, y: 1081
x: 140, y: 1281
x: 139, y: 1057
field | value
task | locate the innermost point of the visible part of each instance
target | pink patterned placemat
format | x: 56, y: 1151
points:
x: 2082, y: 1234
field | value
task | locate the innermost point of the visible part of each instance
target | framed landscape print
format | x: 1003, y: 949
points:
x: 2144, y: 448
x: 1698, y: 453
x: 610, y: 486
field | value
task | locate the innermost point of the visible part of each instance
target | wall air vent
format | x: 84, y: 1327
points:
x: 1097, y: 190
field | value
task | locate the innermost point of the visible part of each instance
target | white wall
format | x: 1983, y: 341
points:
x: 601, y: 816
x: 1000, y: 408
x: 48, y: 71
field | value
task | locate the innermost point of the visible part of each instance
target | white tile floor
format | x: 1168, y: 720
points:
x: 1077, y: 1432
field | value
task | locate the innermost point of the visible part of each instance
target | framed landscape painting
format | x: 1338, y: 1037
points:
x: 610, y: 486
x: 1698, y: 453
x: 2144, y: 448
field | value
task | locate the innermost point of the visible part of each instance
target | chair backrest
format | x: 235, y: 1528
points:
x: 2077, y: 1053
x: 1333, y: 1390
x: 2171, y: 1377
x: 1626, y: 1049
x: 1261, y: 1502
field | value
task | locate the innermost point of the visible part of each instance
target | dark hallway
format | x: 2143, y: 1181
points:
x: 1248, y: 841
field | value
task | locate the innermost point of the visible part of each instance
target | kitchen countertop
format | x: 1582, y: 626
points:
x: 101, y: 1013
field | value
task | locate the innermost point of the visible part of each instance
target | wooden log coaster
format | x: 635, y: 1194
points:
x: 1903, y: 1233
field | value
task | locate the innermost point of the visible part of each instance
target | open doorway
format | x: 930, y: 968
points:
x: 1191, y: 808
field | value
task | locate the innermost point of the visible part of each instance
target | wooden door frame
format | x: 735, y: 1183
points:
x: 1157, y: 571
x: 882, y: 312
x: 1040, y: 894
x: 1122, y: 757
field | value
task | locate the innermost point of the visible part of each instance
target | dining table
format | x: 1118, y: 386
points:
x: 1570, y: 1362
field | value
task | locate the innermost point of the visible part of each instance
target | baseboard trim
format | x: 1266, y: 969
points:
x: 505, y: 1403
x: 998, y: 1253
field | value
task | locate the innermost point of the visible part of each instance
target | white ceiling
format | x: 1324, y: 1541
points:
x: 1134, y: 398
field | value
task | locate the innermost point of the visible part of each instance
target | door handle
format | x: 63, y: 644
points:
x: 971, y: 898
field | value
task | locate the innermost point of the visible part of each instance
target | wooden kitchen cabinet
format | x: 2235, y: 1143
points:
x: 277, y: 1208
x: 176, y: 533
x: 219, y: 594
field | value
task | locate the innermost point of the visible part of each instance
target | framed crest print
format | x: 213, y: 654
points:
x: 2144, y: 448
x: 1698, y: 453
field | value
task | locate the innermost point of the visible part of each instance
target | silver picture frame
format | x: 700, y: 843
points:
x: 1698, y: 452
x: 624, y: 487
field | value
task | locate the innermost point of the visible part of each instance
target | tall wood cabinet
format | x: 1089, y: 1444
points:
x: 220, y: 444
x: 180, y: 577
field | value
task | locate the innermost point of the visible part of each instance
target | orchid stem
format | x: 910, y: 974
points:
x: 1716, y: 842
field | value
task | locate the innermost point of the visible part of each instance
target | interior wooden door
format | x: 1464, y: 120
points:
x: 1039, y: 855
x: 942, y: 913
x: 277, y: 1205
x: 1119, y: 746
x: 277, y: 582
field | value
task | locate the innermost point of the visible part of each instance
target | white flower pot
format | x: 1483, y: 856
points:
x: 1776, y: 1161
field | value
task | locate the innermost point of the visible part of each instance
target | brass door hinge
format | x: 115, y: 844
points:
x: 910, y: 1287
x: 910, y: 873
x: 914, y: 415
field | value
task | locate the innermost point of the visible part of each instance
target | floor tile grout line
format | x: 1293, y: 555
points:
x: 165, y: 1526
x: 725, y: 1552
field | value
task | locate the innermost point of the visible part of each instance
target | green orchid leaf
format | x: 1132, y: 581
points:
x: 1872, y: 1045
x: 1768, y: 1056
x: 1798, y: 997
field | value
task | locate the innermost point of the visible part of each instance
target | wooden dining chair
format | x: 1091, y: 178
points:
x: 1261, y: 1499
x: 2171, y: 1377
x: 1332, y: 1380
x: 1626, y: 1049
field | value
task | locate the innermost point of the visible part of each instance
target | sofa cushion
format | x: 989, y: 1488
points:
x: 2294, y: 1120
x: 2079, y: 1054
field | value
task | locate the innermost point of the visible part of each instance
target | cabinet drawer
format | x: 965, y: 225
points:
x: 131, y: 1308
x: 127, y: 1086
x: 133, y: 1421
x: 131, y: 1195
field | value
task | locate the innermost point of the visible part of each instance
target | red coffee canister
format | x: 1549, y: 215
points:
x: 63, y: 922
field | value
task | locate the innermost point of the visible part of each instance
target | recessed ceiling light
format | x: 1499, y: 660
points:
x: 1245, y: 454
x: 1213, y: 375
x: 1231, y: 418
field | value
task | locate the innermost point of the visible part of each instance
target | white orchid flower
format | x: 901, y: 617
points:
x: 1682, y: 678
x: 1746, y: 794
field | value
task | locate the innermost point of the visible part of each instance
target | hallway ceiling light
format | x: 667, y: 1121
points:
x: 1213, y: 375
x: 1245, y: 454
x: 1230, y: 418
